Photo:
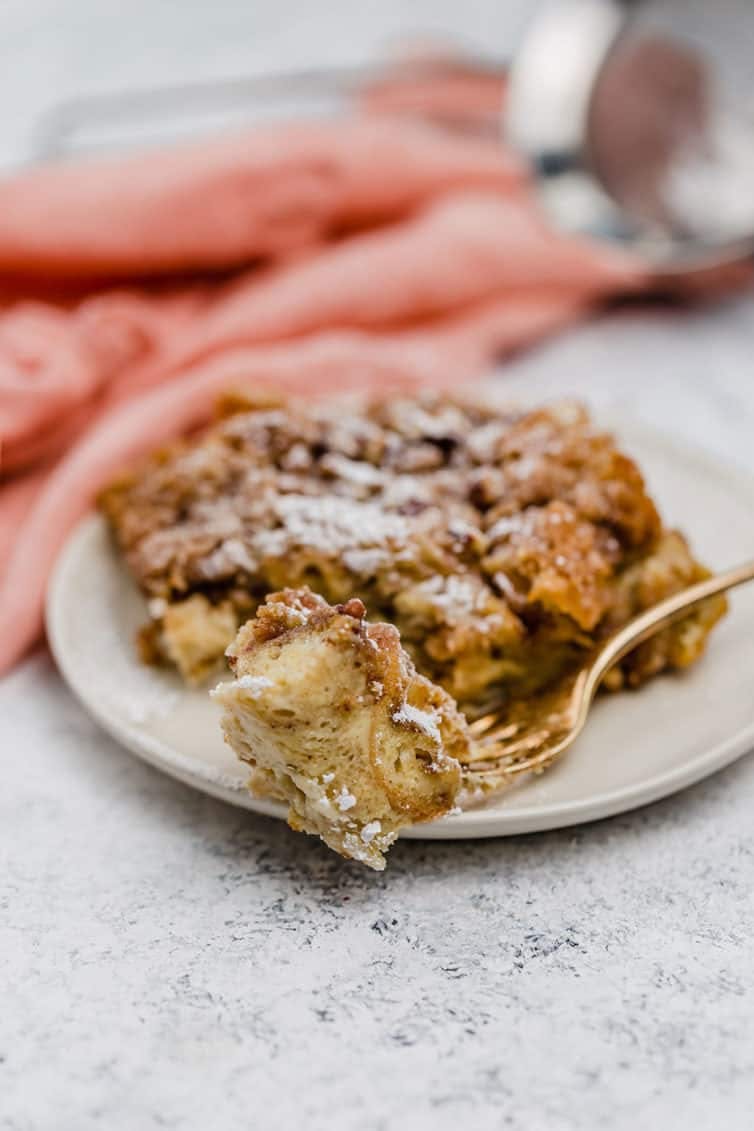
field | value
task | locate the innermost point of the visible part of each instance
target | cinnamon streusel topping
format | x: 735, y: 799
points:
x: 501, y: 543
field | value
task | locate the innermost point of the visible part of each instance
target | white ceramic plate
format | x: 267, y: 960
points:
x: 637, y: 747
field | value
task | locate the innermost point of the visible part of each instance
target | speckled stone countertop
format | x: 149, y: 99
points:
x: 167, y: 961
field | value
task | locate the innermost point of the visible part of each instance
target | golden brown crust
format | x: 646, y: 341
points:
x: 497, y: 541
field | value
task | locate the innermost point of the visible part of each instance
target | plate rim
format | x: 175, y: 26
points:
x: 471, y: 824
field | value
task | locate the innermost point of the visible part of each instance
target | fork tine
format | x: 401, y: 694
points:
x: 481, y: 728
x: 507, y: 748
x: 504, y: 766
x: 527, y: 743
x: 507, y: 773
x: 485, y: 740
x: 495, y: 748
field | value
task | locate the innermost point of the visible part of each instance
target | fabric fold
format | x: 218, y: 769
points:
x: 217, y: 204
x: 378, y: 252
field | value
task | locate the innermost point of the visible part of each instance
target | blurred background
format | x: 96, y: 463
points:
x: 51, y: 52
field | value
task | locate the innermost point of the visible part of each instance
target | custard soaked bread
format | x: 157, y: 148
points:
x: 499, y: 547
x: 333, y: 717
x: 502, y: 544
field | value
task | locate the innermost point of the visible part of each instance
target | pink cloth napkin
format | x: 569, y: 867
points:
x: 377, y: 252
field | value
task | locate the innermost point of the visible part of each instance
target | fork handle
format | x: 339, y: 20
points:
x: 645, y: 625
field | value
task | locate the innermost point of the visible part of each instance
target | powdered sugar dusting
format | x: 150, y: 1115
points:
x: 370, y: 831
x: 345, y: 800
x: 457, y: 595
x: 256, y: 685
x: 358, y: 851
x: 355, y: 471
x: 325, y: 806
x: 418, y: 720
x: 332, y: 525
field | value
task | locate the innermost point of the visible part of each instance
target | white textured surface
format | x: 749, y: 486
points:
x: 166, y: 961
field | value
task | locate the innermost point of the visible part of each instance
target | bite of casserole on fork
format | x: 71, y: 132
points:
x: 333, y: 717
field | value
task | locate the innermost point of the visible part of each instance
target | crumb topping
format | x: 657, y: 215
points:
x: 498, y: 541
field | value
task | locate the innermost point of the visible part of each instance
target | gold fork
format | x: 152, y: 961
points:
x: 529, y: 739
